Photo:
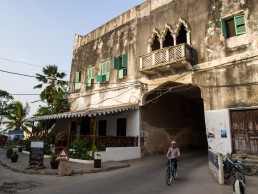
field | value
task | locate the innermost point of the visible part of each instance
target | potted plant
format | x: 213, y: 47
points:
x: 97, y: 161
x: 14, y: 157
x: 53, y: 161
x: 9, y: 150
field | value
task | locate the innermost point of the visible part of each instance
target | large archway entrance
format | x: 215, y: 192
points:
x: 173, y: 112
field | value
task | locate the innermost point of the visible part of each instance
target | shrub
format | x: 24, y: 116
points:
x: 79, y: 148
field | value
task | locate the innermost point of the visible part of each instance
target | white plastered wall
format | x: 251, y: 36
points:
x: 132, y: 122
x: 217, y: 120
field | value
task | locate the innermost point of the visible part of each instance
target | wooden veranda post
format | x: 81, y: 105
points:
x: 94, y: 129
x: 69, y: 133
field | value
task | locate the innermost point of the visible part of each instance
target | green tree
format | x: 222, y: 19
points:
x: 54, y: 86
x: 17, y: 118
x: 5, y: 99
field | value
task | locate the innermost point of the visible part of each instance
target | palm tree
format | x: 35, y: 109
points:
x: 52, y: 78
x: 17, y: 119
x: 5, y: 97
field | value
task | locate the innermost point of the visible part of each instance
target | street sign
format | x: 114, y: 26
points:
x: 63, y: 156
x: 15, y: 132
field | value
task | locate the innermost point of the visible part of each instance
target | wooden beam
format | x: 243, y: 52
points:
x: 69, y: 132
x: 94, y: 129
x: 173, y: 71
x: 158, y: 73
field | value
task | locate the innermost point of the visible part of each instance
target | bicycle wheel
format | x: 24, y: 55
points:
x: 239, y: 174
x: 249, y: 168
x: 175, y: 174
x: 168, y: 176
x: 227, y: 171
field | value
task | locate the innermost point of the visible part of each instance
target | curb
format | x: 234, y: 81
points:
x: 41, y: 172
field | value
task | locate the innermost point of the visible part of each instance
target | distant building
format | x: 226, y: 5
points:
x: 167, y: 70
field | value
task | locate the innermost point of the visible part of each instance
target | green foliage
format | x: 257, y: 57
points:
x: 26, y: 144
x: 9, y: 146
x: 17, y: 117
x: 79, y: 148
x: 93, y: 150
x: 53, y: 156
x: 5, y: 98
x: 47, y: 141
x: 55, y: 92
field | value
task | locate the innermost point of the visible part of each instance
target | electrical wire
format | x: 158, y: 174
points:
x: 25, y: 63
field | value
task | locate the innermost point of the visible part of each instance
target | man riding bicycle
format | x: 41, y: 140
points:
x: 173, y: 153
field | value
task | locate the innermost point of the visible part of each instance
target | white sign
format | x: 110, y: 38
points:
x: 37, y: 144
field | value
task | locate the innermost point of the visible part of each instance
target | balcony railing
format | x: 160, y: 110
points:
x: 174, y: 56
x: 102, y: 142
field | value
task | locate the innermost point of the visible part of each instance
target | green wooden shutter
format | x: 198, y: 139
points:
x: 77, y: 76
x: 120, y: 73
x: 223, y: 28
x: 103, y: 68
x: 124, y: 60
x: 99, y: 78
x: 107, y: 64
x: 90, y: 76
x: 239, y: 21
x: 116, y: 63
x: 77, y: 85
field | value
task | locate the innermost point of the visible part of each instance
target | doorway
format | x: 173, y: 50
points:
x: 121, y: 127
x: 244, y: 128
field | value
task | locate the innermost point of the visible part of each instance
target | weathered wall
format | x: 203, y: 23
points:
x: 114, y: 43
x: 194, y: 12
x: 229, y: 86
x: 215, y: 45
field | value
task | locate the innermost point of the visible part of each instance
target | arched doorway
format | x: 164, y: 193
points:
x: 174, y: 112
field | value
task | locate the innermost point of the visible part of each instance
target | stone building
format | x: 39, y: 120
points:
x: 183, y: 70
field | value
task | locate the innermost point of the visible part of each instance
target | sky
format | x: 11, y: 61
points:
x: 41, y: 32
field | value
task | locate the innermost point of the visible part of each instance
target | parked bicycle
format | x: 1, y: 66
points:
x: 171, y: 172
x: 249, y: 168
x: 232, y: 169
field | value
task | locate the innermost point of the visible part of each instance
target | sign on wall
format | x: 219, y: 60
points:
x: 213, y: 158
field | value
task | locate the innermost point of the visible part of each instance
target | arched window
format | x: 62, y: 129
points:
x: 168, y: 41
x: 182, y: 35
x: 182, y: 32
x: 155, y: 44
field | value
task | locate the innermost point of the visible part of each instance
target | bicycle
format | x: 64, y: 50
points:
x: 170, y: 172
x: 232, y: 169
x: 249, y: 168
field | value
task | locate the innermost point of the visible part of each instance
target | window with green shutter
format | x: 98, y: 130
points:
x: 77, y: 81
x: 90, y: 76
x: 233, y: 26
x: 121, y: 64
x: 240, y: 24
x: 105, y: 69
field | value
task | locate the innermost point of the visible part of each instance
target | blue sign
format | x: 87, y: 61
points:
x: 15, y: 132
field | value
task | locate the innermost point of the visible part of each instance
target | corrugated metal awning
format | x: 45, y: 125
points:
x: 87, y: 112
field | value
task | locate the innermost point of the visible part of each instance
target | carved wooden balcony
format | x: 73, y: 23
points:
x: 167, y: 61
